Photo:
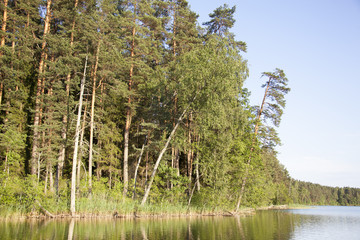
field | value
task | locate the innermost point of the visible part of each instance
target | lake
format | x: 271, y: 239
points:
x: 314, y: 223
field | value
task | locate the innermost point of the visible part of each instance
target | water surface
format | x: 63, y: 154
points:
x: 314, y: 223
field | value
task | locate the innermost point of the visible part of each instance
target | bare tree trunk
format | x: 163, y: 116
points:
x: 77, y: 133
x: 51, y: 178
x: 46, y: 178
x: 61, y: 158
x: 147, y: 190
x: 78, y: 177
x: 6, y: 165
x: 174, y: 150
x: 192, y: 192
x: 128, y: 113
x: 197, y: 172
x: 251, y: 149
x: 189, y: 154
x: 110, y: 179
x: 93, y: 97
x: 34, y: 154
x: 146, y: 165
x: 137, y: 167
x: 71, y: 229
x: 49, y: 166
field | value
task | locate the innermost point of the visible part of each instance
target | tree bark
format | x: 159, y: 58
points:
x: 174, y: 150
x: 137, y: 167
x: 34, y: 154
x: 61, y: 158
x: 189, y: 153
x: 147, y: 190
x: 128, y: 112
x: 93, y: 97
x: 77, y: 133
x: 252, y: 148
x: 81, y: 149
x: 197, y: 182
x: 2, y: 42
x: 4, y: 23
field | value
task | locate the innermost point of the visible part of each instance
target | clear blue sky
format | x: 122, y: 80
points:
x: 317, y: 44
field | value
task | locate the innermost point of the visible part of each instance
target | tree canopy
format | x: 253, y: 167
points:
x: 133, y: 98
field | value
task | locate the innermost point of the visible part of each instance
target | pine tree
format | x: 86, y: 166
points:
x: 36, y: 135
x: 275, y: 90
x: 222, y: 20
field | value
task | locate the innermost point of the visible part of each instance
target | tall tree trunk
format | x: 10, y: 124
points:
x: 251, y: 149
x: 128, y: 112
x: 51, y: 178
x: 34, y: 154
x: 147, y: 190
x: 6, y: 165
x: 78, y: 177
x: 93, y: 97
x: 174, y: 150
x: 64, y: 130
x: 4, y: 23
x: 77, y: 133
x: 2, y: 42
x: 1, y: 89
x: 197, y: 173
x: 46, y: 177
x: 137, y: 166
x: 49, y: 163
x: 189, y: 153
x: 146, y: 166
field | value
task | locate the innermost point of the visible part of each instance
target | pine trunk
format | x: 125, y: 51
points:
x: 2, y: 42
x: 4, y: 23
x: 34, y: 154
x: 128, y: 115
x: 61, y: 158
x: 252, y: 149
x: 1, y: 89
x: 174, y: 150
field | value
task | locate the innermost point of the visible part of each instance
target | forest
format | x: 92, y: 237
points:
x: 116, y: 105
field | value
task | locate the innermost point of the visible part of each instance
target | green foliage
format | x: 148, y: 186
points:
x: 150, y: 57
x: 221, y: 20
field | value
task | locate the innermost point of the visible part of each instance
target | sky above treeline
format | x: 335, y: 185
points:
x: 317, y: 44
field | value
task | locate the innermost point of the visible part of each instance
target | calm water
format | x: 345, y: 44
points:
x: 316, y: 223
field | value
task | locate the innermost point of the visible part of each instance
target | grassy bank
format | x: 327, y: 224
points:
x: 96, y: 206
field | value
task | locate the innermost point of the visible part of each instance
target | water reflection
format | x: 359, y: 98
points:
x: 301, y: 224
x: 261, y: 226
x: 71, y: 229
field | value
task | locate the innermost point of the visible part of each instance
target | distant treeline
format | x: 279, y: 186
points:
x: 315, y: 194
x: 105, y: 103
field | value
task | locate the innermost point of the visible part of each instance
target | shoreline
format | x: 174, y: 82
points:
x: 44, y: 214
x: 135, y: 215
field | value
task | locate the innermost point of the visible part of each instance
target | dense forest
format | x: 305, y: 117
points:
x: 114, y: 104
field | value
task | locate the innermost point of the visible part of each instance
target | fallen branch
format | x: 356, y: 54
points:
x: 46, y: 212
